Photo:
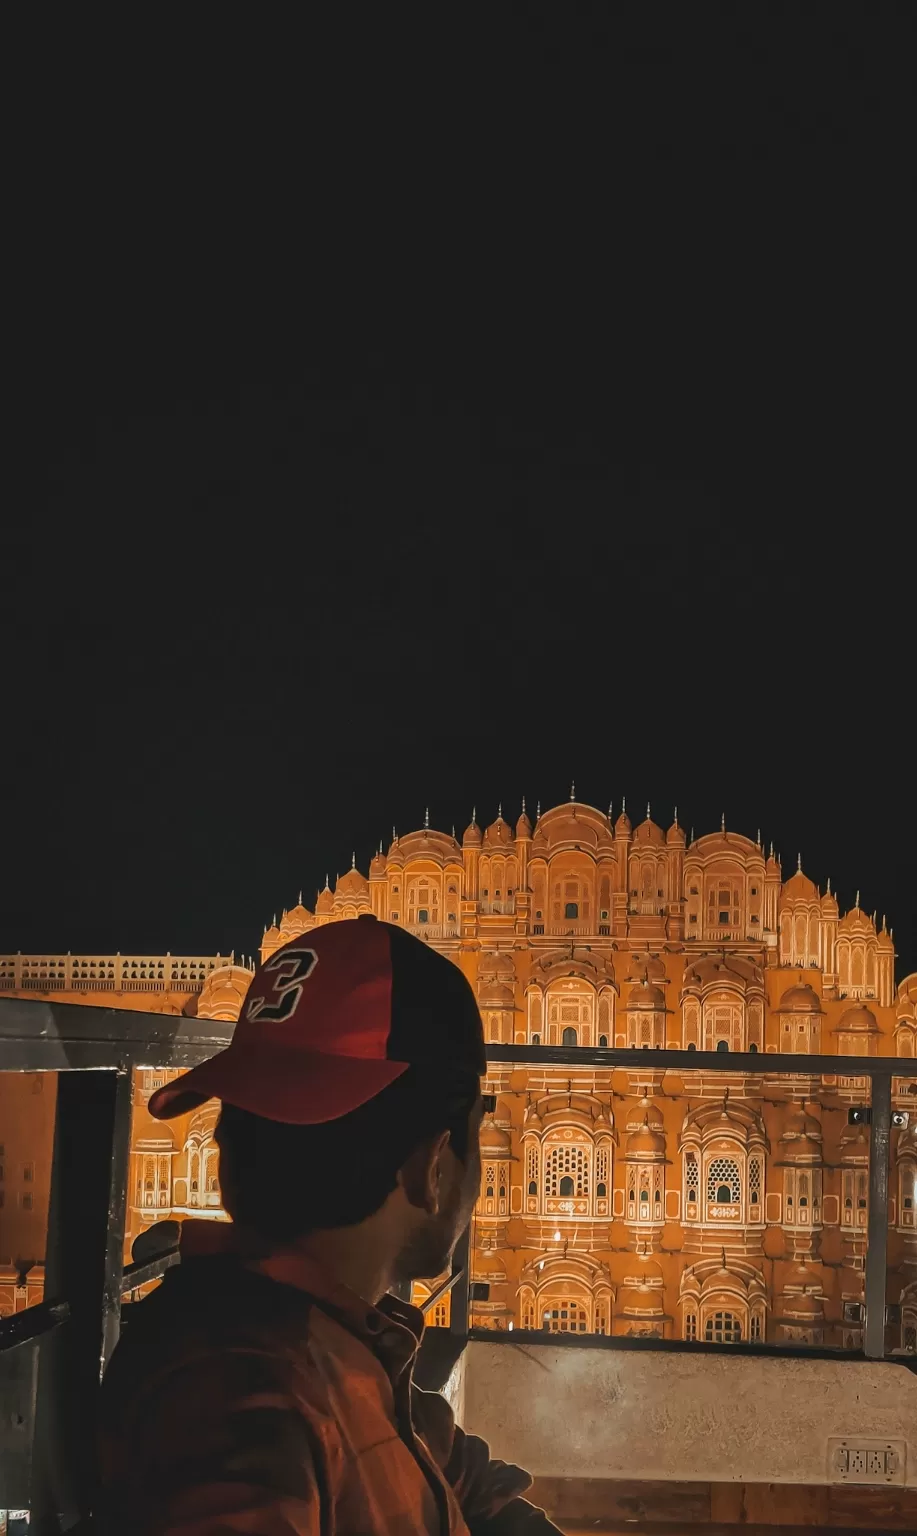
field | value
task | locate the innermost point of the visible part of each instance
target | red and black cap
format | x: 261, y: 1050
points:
x: 333, y: 1018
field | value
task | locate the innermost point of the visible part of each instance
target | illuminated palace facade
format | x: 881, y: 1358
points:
x: 723, y: 1207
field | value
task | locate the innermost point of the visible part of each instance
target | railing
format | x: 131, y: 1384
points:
x: 52, y: 1352
x: 108, y: 973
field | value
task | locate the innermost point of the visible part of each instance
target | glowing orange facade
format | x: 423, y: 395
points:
x: 722, y: 1206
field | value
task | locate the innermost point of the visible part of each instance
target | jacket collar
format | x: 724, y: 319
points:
x: 392, y: 1330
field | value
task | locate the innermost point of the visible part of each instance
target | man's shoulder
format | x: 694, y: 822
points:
x: 211, y: 1325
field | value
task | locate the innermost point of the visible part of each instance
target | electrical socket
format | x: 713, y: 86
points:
x: 858, y: 1459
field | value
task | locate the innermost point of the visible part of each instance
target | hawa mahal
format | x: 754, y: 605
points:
x: 727, y: 1207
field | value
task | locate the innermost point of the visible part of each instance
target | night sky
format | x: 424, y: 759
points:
x: 433, y: 415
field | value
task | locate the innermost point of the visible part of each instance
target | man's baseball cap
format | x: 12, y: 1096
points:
x: 330, y: 1020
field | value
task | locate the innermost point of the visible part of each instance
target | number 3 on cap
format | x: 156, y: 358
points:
x: 291, y: 968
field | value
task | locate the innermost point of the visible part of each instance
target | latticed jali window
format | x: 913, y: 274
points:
x: 601, y: 1173
x: 723, y: 1184
x: 566, y: 1166
x: 564, y: 1315
x: 691, y: 1178
x: 723, y: 1328
x: 531, y: 1168
x: 754, y: 1183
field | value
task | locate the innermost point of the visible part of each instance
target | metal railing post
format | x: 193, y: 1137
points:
x: 84, y: 1266
x: 877, y: 1229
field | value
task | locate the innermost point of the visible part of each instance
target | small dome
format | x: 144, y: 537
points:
x: 324, y: 901
x: 648, y: 832
x: 378, y: 863
x: 223, y: 993
x: 646, y: 1142
x: 800, y: 888
x: 675, y: 834
x: 486, y: 1266
x: 828, y: 903
x: 857, y: 1020
x: 800, y: 1125
x: 623, y: 822
x: 499, y: 834
x: 494, y: 1141
x: 646, y: 996
x: 297, y: 920
x: 801, y: 999
x: 495, y: 994
x: 352, y: 884
x: 640, y: 1301
x: 472, y: 836
x: 523, y: 825
x: 645, y: 1112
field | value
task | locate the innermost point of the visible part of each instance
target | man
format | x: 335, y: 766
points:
x: 265, y: 1387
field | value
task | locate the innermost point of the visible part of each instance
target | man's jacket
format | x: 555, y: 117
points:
x: 252, y: 1393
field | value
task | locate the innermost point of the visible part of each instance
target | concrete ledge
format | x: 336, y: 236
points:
x: 587, y: 1414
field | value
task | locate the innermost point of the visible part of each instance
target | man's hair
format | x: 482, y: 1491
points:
x: 287, y: 1180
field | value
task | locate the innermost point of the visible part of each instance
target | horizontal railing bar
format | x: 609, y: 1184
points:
x: 136, y: 1275
x: 441, y: 1291
x: 32, y: 1323
x: 758, y: 1064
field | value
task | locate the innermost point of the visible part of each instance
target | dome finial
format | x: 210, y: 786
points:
x: 572, y: 789
x: 648, y: 816
x: 299, y: 898
x: 274, y: 921
x: 675, y: 817
x: 799, y: 863
x: 857, y: 902
x: 691, y: 838
x: 611, y: 810
x: 380, y: 845
x: 523, y: 805
x: 500, y: 811
x: 829, y: 885
x: 771, y: 855
x: 758, y: 839
x: 623, y: 805
x: 327, y: 885
x: 723, y: 821
x: 394, y: 834
x: 426, y: 816
x: 474, y: 815
x: 353, y: 860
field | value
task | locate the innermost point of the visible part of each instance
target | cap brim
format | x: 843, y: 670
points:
x: 293, y: 1087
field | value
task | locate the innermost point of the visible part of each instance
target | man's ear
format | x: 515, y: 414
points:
x: 421, y: 1177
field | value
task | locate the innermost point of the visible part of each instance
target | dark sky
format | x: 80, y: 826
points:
x: 432, y: 412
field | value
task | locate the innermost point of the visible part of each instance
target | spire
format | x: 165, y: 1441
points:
x: 537, y: 810
x: 274, y: 921
x: 572, y: 789
x: 474, y: 815
x: 523, y: 805
x: 675, y: 817
x: 380, y: 845
x: 394, y: 834
x: 353, y: 860
x: 758, y: 839
x: 771, y: 855
x: 611, y: 810
x: 453, y: 831
x: 829, y: 885
x: 857, y: 902
x: 723, y: 822
x: 799, y: 863
x: 623, y: 805
x: 648, y: 815
x: 500, y: 811
x: 327, y: 884
x: 299, y: 899
x: 426, y: 817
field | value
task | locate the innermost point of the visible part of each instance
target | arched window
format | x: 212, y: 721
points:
x: 723, y: 1328
x: 723, y: 1194
x: 722, y: 1045
x: 571, y: 910
x: 566, y: 1185
x: 536, y: 1039
x: 569, y: 1037
x: 603, y: 1042
x: 691, y: 1178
